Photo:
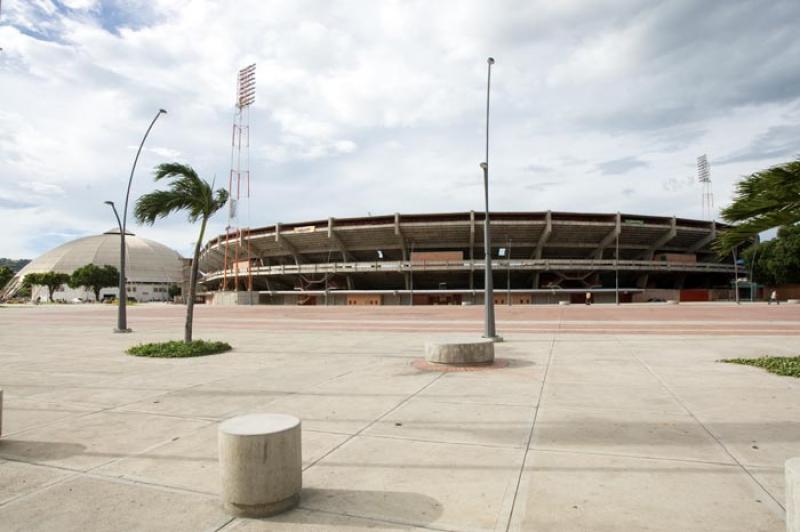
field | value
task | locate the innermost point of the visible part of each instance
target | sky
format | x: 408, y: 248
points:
x: 366, y: 107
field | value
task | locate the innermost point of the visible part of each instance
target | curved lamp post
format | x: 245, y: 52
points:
x: 122, y: 313
x: 488, y: 303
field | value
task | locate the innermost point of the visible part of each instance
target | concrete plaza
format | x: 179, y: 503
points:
x: 605, y: 418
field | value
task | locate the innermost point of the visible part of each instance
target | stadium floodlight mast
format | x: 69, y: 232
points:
x: 488, y: 302
x: 122, y: 311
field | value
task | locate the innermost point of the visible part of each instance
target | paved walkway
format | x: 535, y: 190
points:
x: 611, y: 431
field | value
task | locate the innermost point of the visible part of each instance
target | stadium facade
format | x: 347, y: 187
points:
x: 538, y: 257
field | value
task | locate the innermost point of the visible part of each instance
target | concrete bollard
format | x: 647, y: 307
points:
x: 793, y: 301
x: 260, y: 460
x: 563, y: 303
x: 793, y: 495
x: 464, y: 351
x: 672, y: 301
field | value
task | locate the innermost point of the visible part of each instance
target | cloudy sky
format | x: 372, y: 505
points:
x: 378, y: 107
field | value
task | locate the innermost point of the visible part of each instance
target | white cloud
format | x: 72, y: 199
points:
x: 379, y: 106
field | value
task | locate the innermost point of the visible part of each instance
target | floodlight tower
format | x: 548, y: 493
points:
x: 237, y: 246
x: 704, y: 177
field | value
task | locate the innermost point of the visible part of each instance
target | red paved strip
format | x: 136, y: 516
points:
x: 690, y: 319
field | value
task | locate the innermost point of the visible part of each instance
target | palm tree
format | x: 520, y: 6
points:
x: 767, y: 199
x: 186, y: 192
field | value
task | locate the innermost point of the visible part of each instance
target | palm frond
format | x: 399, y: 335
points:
x: 186, y: 192
x: 764, y: 200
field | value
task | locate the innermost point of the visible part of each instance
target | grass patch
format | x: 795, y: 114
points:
x: 788, y: 366
x: 178, y: 349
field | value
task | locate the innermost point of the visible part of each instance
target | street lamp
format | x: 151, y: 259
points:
x: 488, y: 303
x: 122, y: 311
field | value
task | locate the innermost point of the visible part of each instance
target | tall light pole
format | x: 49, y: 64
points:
x: 411, y: 276
x: 616, y: 272
x: 736, y: 275
x: 488, y: 303
x: 122, y: 312
x: 752, y: 271
x: 508, y: 271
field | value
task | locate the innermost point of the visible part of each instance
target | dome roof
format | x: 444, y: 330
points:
x: 146, y: 260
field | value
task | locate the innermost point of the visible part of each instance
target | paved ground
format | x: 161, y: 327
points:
x: 605, y: 418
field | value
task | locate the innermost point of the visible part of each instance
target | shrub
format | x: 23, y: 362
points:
x: 788, y: 366
x: 178, y: 349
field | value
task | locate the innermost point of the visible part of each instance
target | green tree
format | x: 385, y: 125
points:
x: 186, y: 192
x: 94, y: 278
x: 52, y: 280
x: 5, y: 276
x: 777, y: 261
x: 173, y: 291
x: 764, y: 200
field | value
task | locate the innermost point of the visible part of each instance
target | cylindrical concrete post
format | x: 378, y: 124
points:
x: 793, y: 495
x: 261, y: 463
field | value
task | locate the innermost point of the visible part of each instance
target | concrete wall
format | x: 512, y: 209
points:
x: 233, y: 298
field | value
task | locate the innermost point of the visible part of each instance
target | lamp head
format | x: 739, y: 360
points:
x: 111, y: 203
x: 164, y: 111
x: 490, y: 60
x: 484, y: 166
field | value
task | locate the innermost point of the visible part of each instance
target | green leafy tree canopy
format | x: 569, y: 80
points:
x: 52, y: 280
x: 5, y: 276
x: 94, y: 278
x: 776, y: 261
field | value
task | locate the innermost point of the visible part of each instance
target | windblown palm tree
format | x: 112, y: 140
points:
x: 765, y: 200
x: 186, y: 192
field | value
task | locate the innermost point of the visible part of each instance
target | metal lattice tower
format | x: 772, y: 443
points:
x: 704, y: 177
x: 237, y: 247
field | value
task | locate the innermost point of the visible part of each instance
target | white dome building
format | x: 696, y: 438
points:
x: 150, y: 267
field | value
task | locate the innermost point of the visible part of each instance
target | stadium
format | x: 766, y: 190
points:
x: 422, y: 259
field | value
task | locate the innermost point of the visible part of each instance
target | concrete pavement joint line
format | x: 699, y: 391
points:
x: 440, y: 442
x: 135, y: 482
x: 376, y: 519
x: 41, y: 488
x: 530, y: 434
x: 374, y: 421
x: 637, y: 457
x: 708, y: 431
x: 211, y: 421
x: 229, y: 521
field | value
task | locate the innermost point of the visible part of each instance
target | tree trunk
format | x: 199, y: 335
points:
x: 50, y: 290
x: 187, y: 335
x: 97, y: 294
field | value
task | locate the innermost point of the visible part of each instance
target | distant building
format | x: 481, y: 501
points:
x: 538, y: 257
x: 150, y: 267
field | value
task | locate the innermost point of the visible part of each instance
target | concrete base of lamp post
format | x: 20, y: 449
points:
x: 672, y: 301
x: 563, y: 303
x: 460, y: 351
x: 122, y: 331
x: 792, y: 472
x: 261, y: 463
